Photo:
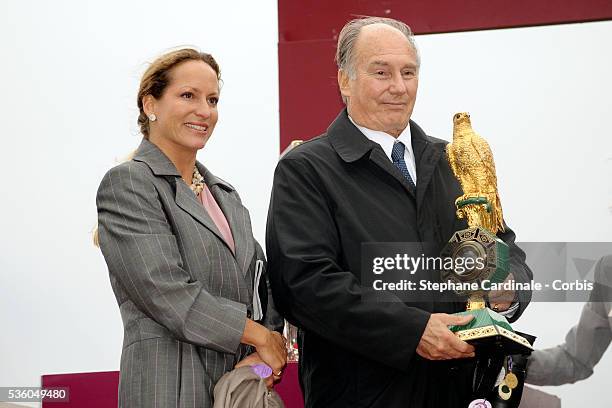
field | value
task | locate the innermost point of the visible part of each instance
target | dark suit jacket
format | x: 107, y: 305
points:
x: 330, y: 195
x: 183, y: 295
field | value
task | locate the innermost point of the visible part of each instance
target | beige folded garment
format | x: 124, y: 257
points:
x: 242, y: 388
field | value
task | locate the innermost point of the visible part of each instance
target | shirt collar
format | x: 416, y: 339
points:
x: 385, y: 140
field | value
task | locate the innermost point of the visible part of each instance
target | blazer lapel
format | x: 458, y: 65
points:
x: 237, y: 217
x: 161, y: 166
x: 186, y: 199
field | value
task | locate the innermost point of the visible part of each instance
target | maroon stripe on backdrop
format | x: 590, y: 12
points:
x: 308, y: 30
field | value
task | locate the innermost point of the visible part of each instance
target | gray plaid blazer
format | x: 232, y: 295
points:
x: 183, y: 295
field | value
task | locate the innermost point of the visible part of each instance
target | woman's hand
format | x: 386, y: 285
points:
x: 273, y: 352
x: 253, y: 359
x: 270, y: 345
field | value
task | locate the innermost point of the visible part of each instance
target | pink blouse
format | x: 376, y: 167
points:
x: 214, y: 211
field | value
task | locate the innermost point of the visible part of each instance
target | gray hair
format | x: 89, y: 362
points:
x: 350, y: 32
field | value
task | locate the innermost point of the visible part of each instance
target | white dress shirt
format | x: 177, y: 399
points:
x: 386, y: 141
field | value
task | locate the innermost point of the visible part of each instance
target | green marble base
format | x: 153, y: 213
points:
x: 490, y: 329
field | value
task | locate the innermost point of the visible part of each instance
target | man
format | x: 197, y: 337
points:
x: 356, y: 183
x: 585, y: 343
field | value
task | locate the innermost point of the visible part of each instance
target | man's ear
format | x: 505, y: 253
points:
x: 343, y: 83
x: 148, y: 104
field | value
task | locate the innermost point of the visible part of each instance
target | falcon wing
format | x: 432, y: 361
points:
x: 486, y: 157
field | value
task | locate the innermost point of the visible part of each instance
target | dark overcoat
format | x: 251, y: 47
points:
x: 330, y: 195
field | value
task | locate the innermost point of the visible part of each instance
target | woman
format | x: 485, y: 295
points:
x: 179, y: 248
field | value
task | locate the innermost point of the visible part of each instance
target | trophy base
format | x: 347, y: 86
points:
x: 489, y: 329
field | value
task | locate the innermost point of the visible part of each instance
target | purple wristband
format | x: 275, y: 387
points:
x: 262, y: 370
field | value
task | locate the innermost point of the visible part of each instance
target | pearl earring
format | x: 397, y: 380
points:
x: 152, y: 117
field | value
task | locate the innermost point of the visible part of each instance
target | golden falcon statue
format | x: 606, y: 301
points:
x: 472, y: 163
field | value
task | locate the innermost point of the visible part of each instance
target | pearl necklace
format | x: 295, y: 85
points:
x: 197, y: 182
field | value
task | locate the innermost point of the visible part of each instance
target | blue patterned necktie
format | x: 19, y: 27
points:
x: 397, y: 155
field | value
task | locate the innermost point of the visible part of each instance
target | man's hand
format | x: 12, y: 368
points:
x: 501, y: 300
x: 439, y: 343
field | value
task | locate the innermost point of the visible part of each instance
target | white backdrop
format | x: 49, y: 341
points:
x: 541, y: 97
x: 70, y: 73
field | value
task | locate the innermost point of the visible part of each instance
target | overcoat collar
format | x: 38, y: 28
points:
x: 237, y: 216
x: 352, y: 145
x: 348, y: 141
